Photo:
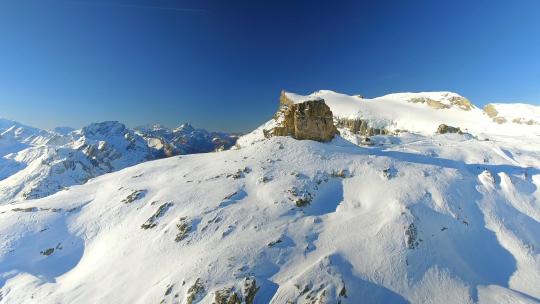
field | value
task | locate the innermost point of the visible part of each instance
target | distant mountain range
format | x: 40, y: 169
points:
x: 35, y: 163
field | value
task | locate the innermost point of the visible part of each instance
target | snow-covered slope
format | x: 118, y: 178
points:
x: 38, y: 163
x: 420, y: 219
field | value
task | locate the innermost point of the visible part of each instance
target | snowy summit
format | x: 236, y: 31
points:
x: 404, y: 198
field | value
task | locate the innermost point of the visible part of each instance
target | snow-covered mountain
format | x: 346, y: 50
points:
x: 185, y: 139
x: 15, y: 137
x: 37, y: 163
x: 422, y: 113
x: 412, y: 217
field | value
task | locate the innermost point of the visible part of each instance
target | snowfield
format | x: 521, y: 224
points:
x: 416, y: 217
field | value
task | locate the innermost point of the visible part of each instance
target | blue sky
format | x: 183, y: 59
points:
x: 221, y: 64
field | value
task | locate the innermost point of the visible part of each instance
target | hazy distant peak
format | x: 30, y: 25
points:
x: 104, y: 128
x: 63, y: 130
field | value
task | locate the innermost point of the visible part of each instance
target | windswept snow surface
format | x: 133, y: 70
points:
x: 413, y: 219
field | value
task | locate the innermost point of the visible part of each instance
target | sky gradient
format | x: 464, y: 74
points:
x: 221, y: 64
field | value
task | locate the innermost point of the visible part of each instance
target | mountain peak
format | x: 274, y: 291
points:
x: 104, y: 128
x: 63, y: 130
x: 185, y: 127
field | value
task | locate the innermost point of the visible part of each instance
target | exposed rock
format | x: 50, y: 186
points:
x: 184, y: 227
x: 238, y: 174
x: 430, y: 102
x: 343, y: 173
x: 47, y: 251
x: 311, y: 119
x: 135, y: 195
x: 462, y: 102
x: 301, y: 198
x: 360, y: 126
x: 195, y: 292
x: 227, y: 296
x: 499, y: 120
x: 265, y: 179
x: 250, y: 290
x: 490, y: 110
x: 343, y: 291
x: 29, y: 209
x: 314, y: 286
x: 273, y: 243
x: 389, y: 172
x: 411, y: 234
x: 152, y: 221
x: 523, y: 121
x: 459, y: 101
x: 366, y: 141
x: 443, y: 129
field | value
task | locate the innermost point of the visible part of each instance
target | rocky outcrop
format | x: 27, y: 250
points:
x: 443, y: 129
x: 450, y: 101
x: 360, y: 126
x: 310, y: 119
x: 490, y: 110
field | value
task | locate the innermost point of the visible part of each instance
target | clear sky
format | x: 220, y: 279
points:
x: 221, y: 64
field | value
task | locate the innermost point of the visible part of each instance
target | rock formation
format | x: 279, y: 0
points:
x: 443, y: 129
x: 490, y: 110
x: 522, y: 114
x: 310, y: 119
x: 360, y: 126
x: 461, y: 102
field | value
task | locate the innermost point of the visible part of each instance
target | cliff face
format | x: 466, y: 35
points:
x: 311, y: 119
